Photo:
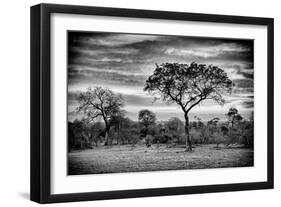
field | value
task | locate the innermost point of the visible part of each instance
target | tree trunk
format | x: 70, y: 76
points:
x: 106, y: 138
x: 107, y: 128
x: 188, y: 145
x: 146, y: 130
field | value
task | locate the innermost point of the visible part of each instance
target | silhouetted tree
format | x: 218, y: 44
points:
x: 187, y: 86
x: 100, y: 103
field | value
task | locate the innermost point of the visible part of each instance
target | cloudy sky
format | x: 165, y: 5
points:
x: 122, y: 63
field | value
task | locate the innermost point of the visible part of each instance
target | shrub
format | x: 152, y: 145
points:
x: 247, y: 137
x: 195, y: 136
x: 182, y: 138
x: 219, y: 138
x: 148, y: 140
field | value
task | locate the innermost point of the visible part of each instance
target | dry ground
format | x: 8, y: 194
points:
x: 118, y: 159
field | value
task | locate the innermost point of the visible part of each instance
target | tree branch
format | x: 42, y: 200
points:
x: 201, y: 99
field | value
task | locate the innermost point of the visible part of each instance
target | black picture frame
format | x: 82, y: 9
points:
x: 40, y: 102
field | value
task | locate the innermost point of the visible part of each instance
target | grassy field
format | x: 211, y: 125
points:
x: 116, y: 159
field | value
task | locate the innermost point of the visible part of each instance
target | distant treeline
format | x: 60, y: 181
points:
x: 83, y: 135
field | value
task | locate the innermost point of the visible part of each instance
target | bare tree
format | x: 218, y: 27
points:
x: 187, y: 86
x: 100, y: 103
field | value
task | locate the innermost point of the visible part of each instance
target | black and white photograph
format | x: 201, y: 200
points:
x: 139, y: 102
x: 133, y: 103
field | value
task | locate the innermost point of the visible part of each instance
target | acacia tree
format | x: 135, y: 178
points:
x: 100, y: 103
x: 187, y: 86
x: 146, y: 118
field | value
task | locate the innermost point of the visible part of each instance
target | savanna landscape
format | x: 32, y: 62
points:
x: 136, y: 115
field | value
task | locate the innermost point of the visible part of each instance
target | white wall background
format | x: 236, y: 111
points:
x: 14, y: 103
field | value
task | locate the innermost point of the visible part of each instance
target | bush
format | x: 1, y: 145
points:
x: 133, y: 135
x: 148, y: 140
x: 195, y: 136
x: 234, y: 136
x: 152, y: 130
x: 219, y: 138
x: 182, y: 138
x: 247, y: 137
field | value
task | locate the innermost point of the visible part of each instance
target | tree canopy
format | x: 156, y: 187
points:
x: 188, y: 85
x: 146, y: 117
x: 100, y: 103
